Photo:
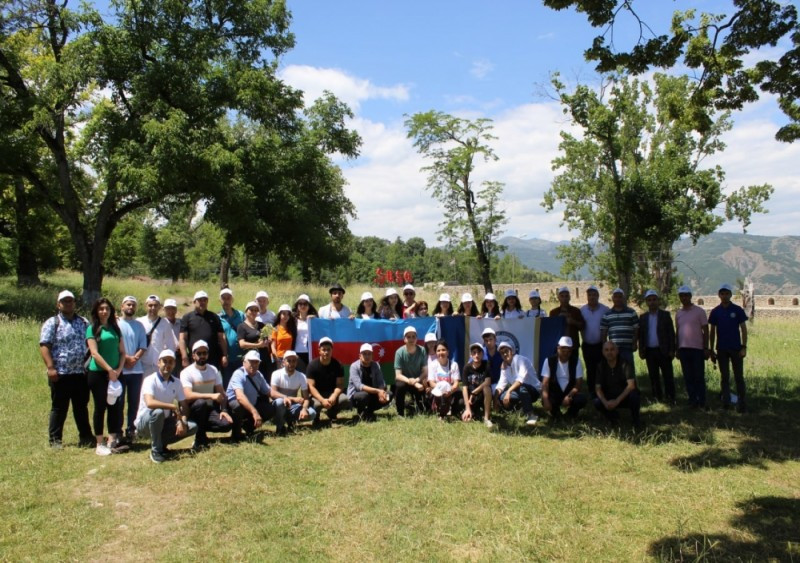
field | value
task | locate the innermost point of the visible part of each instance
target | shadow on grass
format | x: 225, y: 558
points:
x: 772, y: 522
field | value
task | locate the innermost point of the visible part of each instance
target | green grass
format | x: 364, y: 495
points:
x: 693, y: 486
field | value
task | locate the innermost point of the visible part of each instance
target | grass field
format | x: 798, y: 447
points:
x: 693, y: 486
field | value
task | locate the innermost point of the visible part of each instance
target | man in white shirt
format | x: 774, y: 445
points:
x: 518, y: 383
x: 285, y: 383
x: 160, y: 404
x: 171, y: 323
x: 562, y: 376
x: 208, y: 405
x: 335, y: 309
x: 264, y: 315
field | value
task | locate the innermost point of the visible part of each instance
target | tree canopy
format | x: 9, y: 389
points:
x: 720, y: 48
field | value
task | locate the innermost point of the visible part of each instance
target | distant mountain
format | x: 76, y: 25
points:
x: 773, y: 263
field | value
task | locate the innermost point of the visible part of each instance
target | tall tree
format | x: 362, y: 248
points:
x: 632, y: 183
x: 106, y: 116
x: 719, y: 47
x: 454, y: 145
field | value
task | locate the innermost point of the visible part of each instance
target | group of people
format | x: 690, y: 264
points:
x: 205, y: 372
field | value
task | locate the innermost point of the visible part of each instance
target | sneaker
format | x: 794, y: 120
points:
x: 102, y: 449
x: 532, y: 420
x: 56, y: 445
x: 488, y: 424
x: 157, y: 457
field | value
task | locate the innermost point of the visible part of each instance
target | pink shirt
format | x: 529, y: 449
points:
x: 690, y: 323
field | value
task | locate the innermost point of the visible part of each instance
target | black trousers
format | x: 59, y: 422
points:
x: 206, y: 414
x: 366, y: 403
x: 632, y: 401
x: 659, y: 366
x: 592, y: 356
x: 98, y: 385
x: 243, y: 418
x: 557, y: 396
x: 401, y: 390
x: 70, y: 388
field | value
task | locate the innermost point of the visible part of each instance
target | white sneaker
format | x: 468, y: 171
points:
x: 488, y: 424
x: 532, y: 420
x: 102, y: 449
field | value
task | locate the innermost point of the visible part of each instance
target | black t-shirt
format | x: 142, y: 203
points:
x: 252, y: 336
x: 474, y: 376
x: 613, y: 380
x: 325, y: 376
x: 206, y: 326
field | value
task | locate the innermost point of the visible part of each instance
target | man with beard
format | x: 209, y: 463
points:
x: 135, y: 339
x: 208, y: 405
x: 335, y: 309
x: 202, y: 324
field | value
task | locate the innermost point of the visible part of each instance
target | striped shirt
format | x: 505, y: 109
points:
x: 621, y: 326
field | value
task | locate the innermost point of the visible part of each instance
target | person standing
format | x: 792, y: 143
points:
x: 104, y: 339
x: 592, y: 345
x: 264, y: 314
x: 171, y: 323
x: 729, y: 332
x: 657, y: 347
x: 62, y: 345
x: 202, y: 324
x: 231, y: 319
x: 135, y: 339
x: 574, y: 322
x: 692, y: 337
x: 620, y: 325
x: 335, y: 309
x: 150, y: 322
x: 536, y: 305
x: 409, y: 301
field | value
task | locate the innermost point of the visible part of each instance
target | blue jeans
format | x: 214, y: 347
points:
x: 293, y: 413
x: 525, y: 394
x: 694, y: 375
x: 155, y: 424
x: 132, y: 387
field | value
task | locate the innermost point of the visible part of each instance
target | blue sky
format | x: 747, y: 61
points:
x: 482, y: 59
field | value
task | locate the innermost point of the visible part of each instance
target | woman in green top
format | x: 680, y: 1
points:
x: 108, y: 358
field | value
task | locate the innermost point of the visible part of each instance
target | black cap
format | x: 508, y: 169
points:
x: 336, y: 287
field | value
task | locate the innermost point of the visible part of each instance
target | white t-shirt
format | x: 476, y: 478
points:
x: 288, y: 385
x: 328, y: 312
x: 437, y: 372
x: 515, y: 314
x: 164, y: 391
x: 520, y: 370
x: 267, y: 317
x: 163, y: 338
x: 562, y: 372
x: 201, y: 381
x: 301, y: 342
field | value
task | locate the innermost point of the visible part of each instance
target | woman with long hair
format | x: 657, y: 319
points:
x: 444, y: 381
x: 536, y: 305
x: 511, y: 308
x: 391, y: 306
x: 444, y: 307
x: 303, y: 312
x: 285, y: 334
x: 467, y: 306
x: 422, y: 308
x: 107, y: 349
x: 366, y: 307
x: 490, y: 309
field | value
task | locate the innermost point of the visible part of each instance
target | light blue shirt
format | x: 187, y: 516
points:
x: 135, y: 338
x: 252, y: 387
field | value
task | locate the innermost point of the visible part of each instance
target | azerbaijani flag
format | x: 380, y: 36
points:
x: 384, y: 335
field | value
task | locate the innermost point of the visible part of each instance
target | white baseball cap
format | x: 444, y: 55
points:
x: 430, y: 337
x: 166, y: 354
x: 302, y: 297
x: 563, y: 289
x: 684, y: 289
x: 725, y: 287
x: 505, y: 344
x: 225, y: 291
x: 409, y: 287
x: 391, y: 291
x: 618, y: 290
x: 466, y: 297
x: 252, y: 356
x: 445, y: 297
x: 490, y: 297
x: 409, y: 329
x: 511, y: 293
x: 533, y: 294
x: 114, y: 392
x: 592, y: 288
x: 565, y: 341
x: 488, y: 331
x: 366, y: 347
x: 129, y: 298
x: 251, y: 305
x: 650, y: 293
x: 325, y: 340
x: 289, y: 354
x: 64, y: 294
x: 171, y: 303
x: 475, y: 345
x: 367, y: 295
x: 200, y: 344
x: 261, y: 294
x: 200, y: 295
x: 155, y: 298
x: 284, y: 307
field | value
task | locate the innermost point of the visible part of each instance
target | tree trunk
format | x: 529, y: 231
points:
x: 225, y: 265
x: 245, y: 266
x: 27, y: 266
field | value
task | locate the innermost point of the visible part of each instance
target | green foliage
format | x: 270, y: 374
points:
x: 471, y: 219
x: 718, y: 47
x: 632, y: 183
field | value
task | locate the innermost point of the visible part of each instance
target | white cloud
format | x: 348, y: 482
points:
x: 481, y: 68
x: 350, y: 89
